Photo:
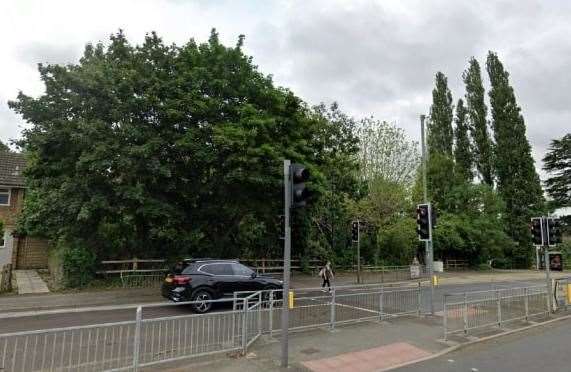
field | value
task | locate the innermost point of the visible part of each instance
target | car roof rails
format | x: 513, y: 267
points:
x: 191, y: 260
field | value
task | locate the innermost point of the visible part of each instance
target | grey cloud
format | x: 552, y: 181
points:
x: 34, y: 53
x: 10, y: 123
x: 374, y: 61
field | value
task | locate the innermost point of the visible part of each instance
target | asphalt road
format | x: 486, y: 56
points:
x: 544, y: 348
x: 70, y: 319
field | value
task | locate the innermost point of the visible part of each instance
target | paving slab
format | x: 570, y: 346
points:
x: 369, y: 360
x: 28, y: 281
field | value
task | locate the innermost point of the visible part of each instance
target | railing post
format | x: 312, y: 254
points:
x: 419, y: 299
x: 465, y: 313
x: 260, y: 308
x: 499, y: 305
x: 526, y: 303
x: 137, y: 340
x: 271, y: 318
x: 332, y: 320
x: 381, y: 302
x: 244, y: 325
x: 445, y: 318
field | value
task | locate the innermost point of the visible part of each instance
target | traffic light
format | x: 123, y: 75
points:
x: 554, y: 231
x: 300, y: 194
x: 536, y: 231
x: 355, y: 231
x: 423, y: 222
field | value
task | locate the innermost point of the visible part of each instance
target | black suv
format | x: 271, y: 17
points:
x: 210, y: 279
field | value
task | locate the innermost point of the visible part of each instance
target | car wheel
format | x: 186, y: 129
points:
x: 203, y: 300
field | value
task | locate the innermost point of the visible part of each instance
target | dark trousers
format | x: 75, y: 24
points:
x: 326, y: 281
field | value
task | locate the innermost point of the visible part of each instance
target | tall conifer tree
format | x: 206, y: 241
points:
x: 462, y: 149
x: 477, y: 112
x: 440, y: 134
x: 518, y: 182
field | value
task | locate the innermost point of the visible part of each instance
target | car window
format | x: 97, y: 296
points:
x: 217, y: 269
x: 242, y: 270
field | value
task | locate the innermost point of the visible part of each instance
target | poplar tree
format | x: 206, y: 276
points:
x: 518, y: 182
x: 462, y: 149
x: 477, y: 112
x: 440, y: 134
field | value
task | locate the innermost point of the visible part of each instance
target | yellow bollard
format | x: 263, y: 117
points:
x: 569, y: 293
x: 290, y: 299
x: 435, y: 280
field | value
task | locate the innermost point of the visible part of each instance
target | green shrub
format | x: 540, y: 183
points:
x: 79, y: 265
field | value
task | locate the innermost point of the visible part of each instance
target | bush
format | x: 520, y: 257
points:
x: 78, y: 265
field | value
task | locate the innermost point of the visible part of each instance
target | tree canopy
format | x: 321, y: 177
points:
x: 518, y: 182
x: 557, y: 163
x: 154, y: 149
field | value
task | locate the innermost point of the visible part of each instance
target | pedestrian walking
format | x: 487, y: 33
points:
x: 326, y: 273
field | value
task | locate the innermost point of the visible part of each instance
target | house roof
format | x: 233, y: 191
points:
x: 11, y: 169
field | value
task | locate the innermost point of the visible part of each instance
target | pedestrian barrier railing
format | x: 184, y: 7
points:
x: 142, y: 279
x: 312, y: 308
x: 387, y: 274
x: 467, y: 311
x: 145, y: 340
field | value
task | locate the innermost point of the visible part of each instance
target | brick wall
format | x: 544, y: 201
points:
x: 9, y: 214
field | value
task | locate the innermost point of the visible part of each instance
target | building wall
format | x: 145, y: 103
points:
x: 9, y: 213
x: 23, y: 252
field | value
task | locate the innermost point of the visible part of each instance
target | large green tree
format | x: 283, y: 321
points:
x: 557, y: 163
x: 440, y: 133
x: 386, y: 152
x: 462, y: 145
x: 518, y: 182
x: 477, y: 113
x: 155, y: 149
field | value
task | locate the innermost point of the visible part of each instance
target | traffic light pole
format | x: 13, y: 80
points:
x: 547, y: 276
x: 287, y: 262
x: 358, y: 252
x: 547, y: 263
x: 428, y: 243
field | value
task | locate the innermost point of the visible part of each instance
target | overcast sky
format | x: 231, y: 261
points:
x: 372, y: 57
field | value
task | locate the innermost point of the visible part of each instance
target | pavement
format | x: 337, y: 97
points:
x: 544, y: 348
x: 360, y: 347
x: 28, y: 281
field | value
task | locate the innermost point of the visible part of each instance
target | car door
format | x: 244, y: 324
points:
x: 222, y: 277
x: 244, y: 276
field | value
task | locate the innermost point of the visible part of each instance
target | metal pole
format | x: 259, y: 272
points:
x: 137, y: 341
x: 358, y: 252
x: 545, y: 241
x: 428, y: 244
x: 287, y: 262
x: 332, y: 314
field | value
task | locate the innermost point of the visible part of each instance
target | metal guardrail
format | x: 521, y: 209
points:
x: 125, y: 345
x: 142, y: 342
x: 312, y: 308
x: 466, y: 311
x: 142, y: 279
